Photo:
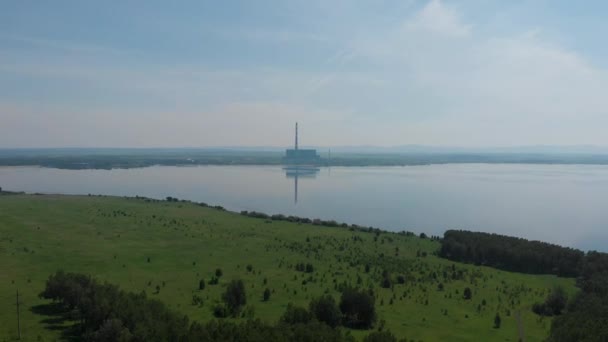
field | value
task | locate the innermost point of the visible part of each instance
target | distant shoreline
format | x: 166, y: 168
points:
x: 68, y: 159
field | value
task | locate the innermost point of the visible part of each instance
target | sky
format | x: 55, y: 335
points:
x: 197, y: 73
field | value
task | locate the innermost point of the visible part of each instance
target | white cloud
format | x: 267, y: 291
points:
x: 436, y: 18
x: 434, y: 77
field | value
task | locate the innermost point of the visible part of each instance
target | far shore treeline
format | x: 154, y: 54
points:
x: 77, y: 159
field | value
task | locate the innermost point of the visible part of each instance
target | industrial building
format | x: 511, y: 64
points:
x: 301, y: 157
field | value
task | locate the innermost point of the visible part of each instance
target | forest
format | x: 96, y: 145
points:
x: 510, y: 253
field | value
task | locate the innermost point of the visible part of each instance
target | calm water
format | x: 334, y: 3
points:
x: 556, y: 203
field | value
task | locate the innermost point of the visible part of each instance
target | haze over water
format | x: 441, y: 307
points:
x: 563, y: 204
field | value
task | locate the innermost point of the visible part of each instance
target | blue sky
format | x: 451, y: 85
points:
x: 203, y: 73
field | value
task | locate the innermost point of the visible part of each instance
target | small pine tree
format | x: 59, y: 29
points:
x: 497, y: 321
x: 266, y: 294
x: 468, y: 294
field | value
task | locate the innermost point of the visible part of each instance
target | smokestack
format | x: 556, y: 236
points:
x: 296, y: 136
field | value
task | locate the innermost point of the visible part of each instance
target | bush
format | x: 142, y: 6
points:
x: 497, y: 321
x: 235, y: 297
x: 266, y: 295
x: 295, y: 315
x: 325, y: 310
x: 553, y: 305
x: 218, y: 272
x: 468, y: 294
x: 380, y: 336
x: 358, y: 308
x: 220, y: 311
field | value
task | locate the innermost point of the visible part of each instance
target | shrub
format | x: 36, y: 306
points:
x: 325, y: 310
x: 295, y: 315
x: 266, y: 294
x: 358, y: 308
x: 497, y: 321
x: 467, y: 294
x: 380, y: 336
x: 235, y: 297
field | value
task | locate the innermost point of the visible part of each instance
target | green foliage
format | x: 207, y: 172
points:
x: 235, y: 297
x: 266, y: 295
x: 380, y: 336
x: 554, y: 304
x: 510, y: 253
x: 467, y: 293
x: 325, y: 310
x: 358, y: 309
x: 497, y: 321
x: 587, y: 313
x: 295, y: 315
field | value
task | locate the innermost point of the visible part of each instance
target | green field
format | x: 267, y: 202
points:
x: 140, y: 244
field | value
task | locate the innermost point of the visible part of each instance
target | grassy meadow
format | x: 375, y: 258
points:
x: 166, y: 248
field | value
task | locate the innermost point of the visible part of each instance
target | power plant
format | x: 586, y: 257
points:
x: 301, y: 157
x: 300, y: 163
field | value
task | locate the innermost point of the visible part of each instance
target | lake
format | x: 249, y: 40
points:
x: 563, y: 204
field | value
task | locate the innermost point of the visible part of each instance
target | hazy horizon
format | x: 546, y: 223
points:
x: 455, y: 74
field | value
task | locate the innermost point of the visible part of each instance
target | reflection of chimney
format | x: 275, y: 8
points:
x: 296, y: 136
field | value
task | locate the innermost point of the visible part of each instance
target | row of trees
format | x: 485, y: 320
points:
x: 107, y: 313
x: 511, y: 253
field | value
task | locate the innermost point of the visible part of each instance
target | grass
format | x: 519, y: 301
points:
x: 141, y: 244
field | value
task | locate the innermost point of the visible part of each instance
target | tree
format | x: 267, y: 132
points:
x: 325, y: 310
x: 467, y: 293
x: 235, y: 297
x: 111, y: 330
x: 266, y: 294
x: 295, y: 315
x: 553, y: 305
x: 358, y: 308
x: 556, y: 301
x: 497, y: 321
x: 201, y: 284
x: 218, y: 272
x: 380, y: 336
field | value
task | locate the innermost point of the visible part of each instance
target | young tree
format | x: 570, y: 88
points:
x: 358, y: 308
x: 497, y: 321
x: 556, y: 301
x: 326, y: 310
x: 266, y: 294
x: 380, y: 336
x: 235, y: 297
x: 468, y: 294
x: 295, y: 315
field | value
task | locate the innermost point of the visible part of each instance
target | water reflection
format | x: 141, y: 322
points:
x: 299, y: 171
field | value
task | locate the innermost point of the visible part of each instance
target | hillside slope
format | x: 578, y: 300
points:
x: 166, y: 248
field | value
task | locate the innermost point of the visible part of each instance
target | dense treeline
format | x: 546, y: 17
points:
x: 586, y: 317
x: 106, y: 313
x: 511, y: 253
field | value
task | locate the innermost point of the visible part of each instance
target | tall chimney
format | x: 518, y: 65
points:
x: 296, y: 136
